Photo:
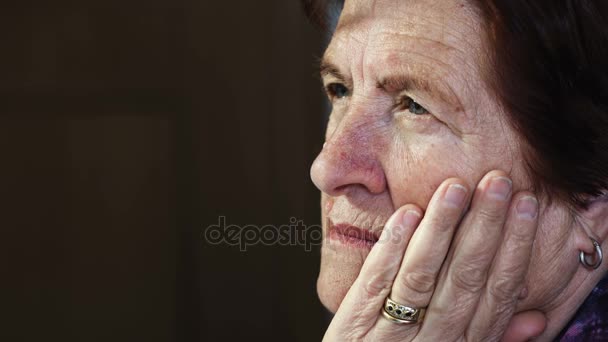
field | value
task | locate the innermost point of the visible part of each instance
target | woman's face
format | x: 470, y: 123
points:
x: 410, y: 109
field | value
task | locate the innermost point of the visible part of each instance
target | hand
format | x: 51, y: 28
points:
x: 467, y: 270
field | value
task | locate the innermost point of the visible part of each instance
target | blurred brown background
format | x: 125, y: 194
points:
x: 127, y: 128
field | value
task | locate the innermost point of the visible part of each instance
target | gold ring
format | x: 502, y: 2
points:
x: 402, y: 314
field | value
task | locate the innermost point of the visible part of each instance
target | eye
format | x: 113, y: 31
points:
x: 406, y: 103
x: 337, y: 90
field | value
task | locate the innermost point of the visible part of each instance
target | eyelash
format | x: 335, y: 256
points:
x: 339, y: 91
x: 407, y: 103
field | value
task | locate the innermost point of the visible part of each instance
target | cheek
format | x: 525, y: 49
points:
x: 416, y: 167
x: 554, y: 261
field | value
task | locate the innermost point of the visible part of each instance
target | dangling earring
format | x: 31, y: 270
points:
x: 597, y: 256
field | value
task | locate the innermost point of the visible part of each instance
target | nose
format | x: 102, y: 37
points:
x: 348, y: 159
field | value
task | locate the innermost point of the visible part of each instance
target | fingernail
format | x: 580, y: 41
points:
x: 500, y: 187
x: 456, y: 194
x: 527, y: 207
x: 411, y: 218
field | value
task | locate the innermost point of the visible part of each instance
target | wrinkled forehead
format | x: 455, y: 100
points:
x: 436, y: 40
x: 453, y: 23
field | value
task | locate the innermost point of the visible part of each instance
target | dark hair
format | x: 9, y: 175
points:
x: 549, y: 70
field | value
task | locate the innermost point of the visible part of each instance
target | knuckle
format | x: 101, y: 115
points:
x: 503, y: 289
x: 354, y: 334
x: 505, y: 286
x: 468, y: 278
x: 519, y: 237
x: 446, y: 221
x: 377, y: 286
x: 490, y: 214
x: 421, y: 281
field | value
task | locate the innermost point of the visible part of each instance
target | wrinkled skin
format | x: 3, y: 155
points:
x: 383, y: 152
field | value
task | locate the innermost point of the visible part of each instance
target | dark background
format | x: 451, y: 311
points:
x: 126, y: 129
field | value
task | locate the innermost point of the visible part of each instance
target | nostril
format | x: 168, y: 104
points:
x: 340, y: 189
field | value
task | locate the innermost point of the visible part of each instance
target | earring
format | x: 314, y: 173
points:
x: 597, y: 257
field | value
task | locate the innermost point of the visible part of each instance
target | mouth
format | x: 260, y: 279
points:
x: 349, y: 235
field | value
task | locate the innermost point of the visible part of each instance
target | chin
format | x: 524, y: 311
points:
x: 339, y: 269
x: 331, y: 298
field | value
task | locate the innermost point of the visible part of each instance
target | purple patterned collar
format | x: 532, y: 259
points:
x: 590, y: 323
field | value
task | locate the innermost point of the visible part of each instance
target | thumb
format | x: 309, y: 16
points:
x: 525, y: 326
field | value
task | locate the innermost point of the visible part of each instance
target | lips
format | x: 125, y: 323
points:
x: 352, y: 235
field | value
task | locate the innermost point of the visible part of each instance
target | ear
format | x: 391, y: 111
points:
x: 594, y: 224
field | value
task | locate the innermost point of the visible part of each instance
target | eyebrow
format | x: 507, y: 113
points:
x: 411, y: 83
x: 400, y: 82
x: 347, y: 23
x: 329, y: 69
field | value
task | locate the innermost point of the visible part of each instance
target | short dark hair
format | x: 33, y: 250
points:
x: 548, y: 68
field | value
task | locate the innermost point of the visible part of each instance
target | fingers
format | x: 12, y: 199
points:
x: 461, y: 283
x: 361, y: 306
x: 429, y: 245
x: 507, y: 274
x: 425, y: 254
x: 472, y: 290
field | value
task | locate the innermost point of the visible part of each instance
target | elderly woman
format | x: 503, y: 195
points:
x: 464, y: 176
